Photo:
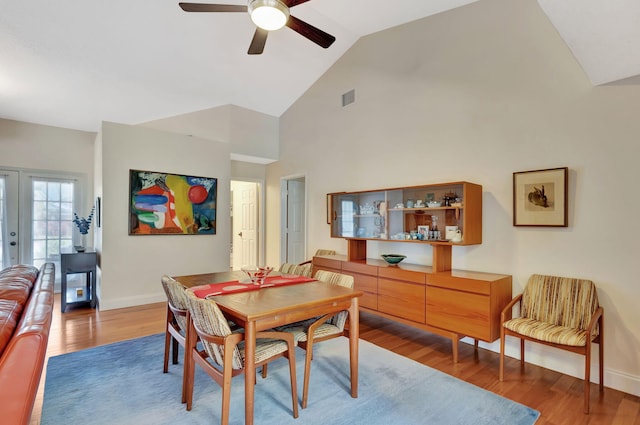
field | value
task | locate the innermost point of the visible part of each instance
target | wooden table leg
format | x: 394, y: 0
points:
x: 354, y: 336
x: 250, y: 371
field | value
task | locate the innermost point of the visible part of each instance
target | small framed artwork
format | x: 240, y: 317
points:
x: 540, y: 198
x: 98, y: 212
x: 171, y: 204
x: 328, y: 206
x: 423, y: 231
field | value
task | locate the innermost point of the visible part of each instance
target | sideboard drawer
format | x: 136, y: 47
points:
x: 461, y: 312
x: 402, y: 299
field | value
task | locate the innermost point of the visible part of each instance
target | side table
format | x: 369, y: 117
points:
x: 78, y: 262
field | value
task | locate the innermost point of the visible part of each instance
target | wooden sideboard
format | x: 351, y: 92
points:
x: 453, y: 304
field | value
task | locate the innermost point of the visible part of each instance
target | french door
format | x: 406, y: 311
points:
x: 9, y: 190
x: 36, y: 216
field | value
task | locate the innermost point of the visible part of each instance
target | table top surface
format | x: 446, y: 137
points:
x: 267, y: 302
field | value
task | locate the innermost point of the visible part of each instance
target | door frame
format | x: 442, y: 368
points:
x: 283, y: 213
x: 260, y: 216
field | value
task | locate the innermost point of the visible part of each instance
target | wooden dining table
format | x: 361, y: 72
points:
x: 266, y: 308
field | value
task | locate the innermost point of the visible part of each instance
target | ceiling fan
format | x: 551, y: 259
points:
x: 268, y: 15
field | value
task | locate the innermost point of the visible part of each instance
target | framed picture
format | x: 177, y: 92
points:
x: 540, y: 198
x: 98, y: 212
x: 171, y: 204
x: 424, y: 231
x: 328, y: 206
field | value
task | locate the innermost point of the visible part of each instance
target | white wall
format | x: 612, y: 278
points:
x: 476, y: 94
x: 41, y: 147
x: 131, y: 266
x: 250, y: 133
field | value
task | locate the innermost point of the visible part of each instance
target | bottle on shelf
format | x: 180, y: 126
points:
x: 434, y: 233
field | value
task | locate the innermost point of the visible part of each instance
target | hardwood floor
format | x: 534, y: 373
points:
x: 558, y: 397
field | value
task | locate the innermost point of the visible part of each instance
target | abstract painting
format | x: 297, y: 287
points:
x: 163, y: 204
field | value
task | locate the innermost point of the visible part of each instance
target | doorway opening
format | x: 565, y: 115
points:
x: 293, y: 236
x: 247, y: 233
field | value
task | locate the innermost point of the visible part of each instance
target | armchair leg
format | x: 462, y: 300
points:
x: 587, y: 377
x: 521, y: 354
x: 502, y: 336
x: 601, y: 353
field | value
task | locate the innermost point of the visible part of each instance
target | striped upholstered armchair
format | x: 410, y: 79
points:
x: 560, y: 312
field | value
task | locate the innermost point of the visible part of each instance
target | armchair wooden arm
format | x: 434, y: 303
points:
x: 507, y: 311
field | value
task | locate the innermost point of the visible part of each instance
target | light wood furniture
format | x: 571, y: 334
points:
x: 320, y: 329
x: 222, y: 349
x: 387, y: 215
x: 277, y: 306
x: 176, y: 325
x: 560, y: 312
x: 453, y: 304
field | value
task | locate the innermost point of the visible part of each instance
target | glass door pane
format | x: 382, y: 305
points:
x: 51, y: 223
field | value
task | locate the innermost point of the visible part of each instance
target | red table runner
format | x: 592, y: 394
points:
x: 223, y: 288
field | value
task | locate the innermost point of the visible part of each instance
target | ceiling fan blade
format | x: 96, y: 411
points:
x: 314, y: 34
x: 291, y: 3
x: 203, y: 7
x: 258, y: 42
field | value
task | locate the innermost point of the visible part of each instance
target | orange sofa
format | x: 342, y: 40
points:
x: 26, y: 307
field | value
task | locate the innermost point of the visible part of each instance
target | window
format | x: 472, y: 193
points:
x: 51, y: 222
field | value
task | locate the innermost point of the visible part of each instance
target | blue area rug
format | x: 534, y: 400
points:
x: 123, y: 383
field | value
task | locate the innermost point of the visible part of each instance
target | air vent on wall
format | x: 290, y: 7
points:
x: 349, y: 97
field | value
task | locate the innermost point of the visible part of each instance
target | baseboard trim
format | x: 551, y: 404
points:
x: 567, y: 363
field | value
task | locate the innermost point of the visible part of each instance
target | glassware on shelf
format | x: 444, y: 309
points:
x: 434, y: 233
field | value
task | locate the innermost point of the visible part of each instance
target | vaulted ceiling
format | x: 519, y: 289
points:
x: 74, y: 64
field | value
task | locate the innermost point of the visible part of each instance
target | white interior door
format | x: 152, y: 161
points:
x: 9, y: 213
x: 244, y: 224
x: 296, y: 221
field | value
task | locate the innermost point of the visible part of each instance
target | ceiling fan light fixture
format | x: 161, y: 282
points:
x: 269, y: 15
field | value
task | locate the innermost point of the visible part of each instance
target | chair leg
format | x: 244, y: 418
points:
x: 502, y: 337
x: 294, y: 382
x: 226, y: 394
x: 601, y: 353
x: 264, y: 370
x: 188, y: 379
x: 587, y: 377
x: 175, y: 351
x: 167, y: 345
x: 307, y: 371
x: 521, y: 354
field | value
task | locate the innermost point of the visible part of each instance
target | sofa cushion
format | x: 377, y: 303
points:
x: 18, y: 289
x: 21, y: 270
x: 9, y: 316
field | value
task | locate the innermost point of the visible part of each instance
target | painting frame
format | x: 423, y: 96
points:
x: 163, y: 203
x: 98, y: 212
x: 424, y: 231
x: 540, y: 198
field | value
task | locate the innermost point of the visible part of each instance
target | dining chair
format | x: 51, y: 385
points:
x: 296, y: 269
x: 323, y: 328
x: 320, y: 252
x: 560, y: 312
x: 176, y: 323
x: 222, y: 355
